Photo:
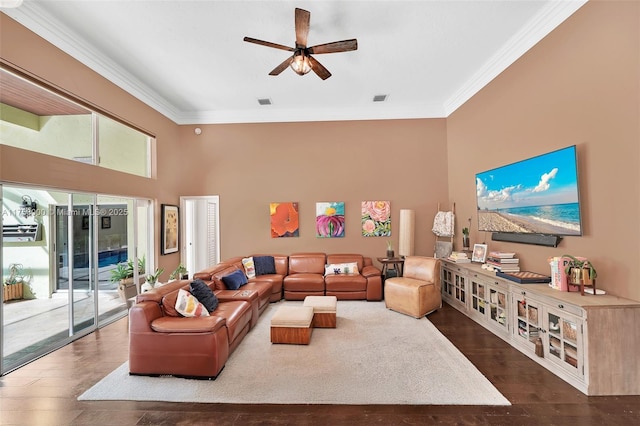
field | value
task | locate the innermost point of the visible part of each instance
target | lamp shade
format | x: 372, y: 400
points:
x: 406, y: 232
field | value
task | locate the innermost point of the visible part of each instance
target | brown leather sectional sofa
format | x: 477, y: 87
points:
x: 163, y: 342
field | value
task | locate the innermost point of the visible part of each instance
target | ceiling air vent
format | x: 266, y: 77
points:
x: 380, y: 98
x: 264, y: 101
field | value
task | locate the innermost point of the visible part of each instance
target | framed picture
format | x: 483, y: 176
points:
x: 105, y: 222
x: 85, y: 222
x: 284, y: 220
x: 170, y: 229
x: 330, y: 219
x: 479, y: 253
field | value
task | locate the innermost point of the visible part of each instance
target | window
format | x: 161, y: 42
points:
x: 37, y: 119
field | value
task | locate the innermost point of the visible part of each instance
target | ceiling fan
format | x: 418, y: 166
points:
x: 301, y: 61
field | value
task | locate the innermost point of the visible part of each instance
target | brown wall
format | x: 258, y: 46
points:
x: 250, y: 166
x: 580, y: 85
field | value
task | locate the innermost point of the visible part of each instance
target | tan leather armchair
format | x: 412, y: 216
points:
x: 417, y: 291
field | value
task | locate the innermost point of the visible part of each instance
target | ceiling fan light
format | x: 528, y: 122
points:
x: 301, y: 64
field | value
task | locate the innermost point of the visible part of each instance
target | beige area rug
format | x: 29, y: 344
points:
x: 374, y: 356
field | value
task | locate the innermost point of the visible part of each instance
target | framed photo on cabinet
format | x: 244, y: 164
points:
x: 479, y: 253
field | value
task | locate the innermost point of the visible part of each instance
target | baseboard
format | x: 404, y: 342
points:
x: 536, y: 239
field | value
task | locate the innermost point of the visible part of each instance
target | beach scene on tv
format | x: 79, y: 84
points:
x: 538, y: 195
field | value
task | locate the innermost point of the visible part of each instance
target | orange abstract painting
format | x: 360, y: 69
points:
x: 284, y: 220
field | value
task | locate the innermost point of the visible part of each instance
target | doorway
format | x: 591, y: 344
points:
x: 201, y: 230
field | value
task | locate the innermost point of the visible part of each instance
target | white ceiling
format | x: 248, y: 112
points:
x: 187, y: 58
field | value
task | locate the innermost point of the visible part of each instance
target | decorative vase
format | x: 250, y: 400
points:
x: 465, y: 242
x: 576, y: 275
x: 586, y: 277
x: 390, y: 254
x: 146, y: 287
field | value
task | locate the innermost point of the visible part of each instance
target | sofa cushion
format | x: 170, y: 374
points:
x: 337, y: 283
x: 265, y: 265
x: 249, y: 267
x: 341, y: 268
x: 188, y: 305
x: 235, y: 279
x: 204, y: 294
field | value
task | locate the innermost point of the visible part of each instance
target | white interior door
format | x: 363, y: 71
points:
x: 201, y: 228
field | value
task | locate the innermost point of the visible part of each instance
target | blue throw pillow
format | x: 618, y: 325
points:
x: 235, y: 280
x: 201, y: 291
x: 264, y: 265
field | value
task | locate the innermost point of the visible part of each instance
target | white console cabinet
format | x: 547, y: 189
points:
x: 589, y: 341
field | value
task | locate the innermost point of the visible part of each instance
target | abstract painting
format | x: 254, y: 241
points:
x: 330, y: 219
x: 376, y: 218
x: 284, y: 220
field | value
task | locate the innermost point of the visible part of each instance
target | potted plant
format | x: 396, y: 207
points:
x: 152, y: 279
x: 579, y: 270
x: 465, y: 238
x: 390, y: 252
x: 123, y: 275
x: 179, y: 273
x: 13, y: 285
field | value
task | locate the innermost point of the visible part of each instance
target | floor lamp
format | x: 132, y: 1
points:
x: 406, y: 232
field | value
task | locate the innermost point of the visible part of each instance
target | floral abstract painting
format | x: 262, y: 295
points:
x: 376, y: 218
x: 284, y: 220
x: 330, y: 220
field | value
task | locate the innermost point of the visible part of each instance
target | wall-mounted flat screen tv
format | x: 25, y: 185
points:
x: 535, y: 196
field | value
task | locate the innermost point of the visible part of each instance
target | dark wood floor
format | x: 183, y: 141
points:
x: 45, y: 391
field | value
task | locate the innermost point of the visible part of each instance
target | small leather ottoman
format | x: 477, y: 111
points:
x: 324, y: 310
x: 292, y: 325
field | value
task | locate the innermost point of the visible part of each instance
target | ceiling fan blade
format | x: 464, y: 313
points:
x: 283, y: 66
x: 319, y: 69
x: 268, y: 44
x: 302, y: 27
x: 336, y: 46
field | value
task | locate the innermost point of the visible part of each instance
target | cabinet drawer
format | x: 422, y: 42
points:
x: 571, y: 309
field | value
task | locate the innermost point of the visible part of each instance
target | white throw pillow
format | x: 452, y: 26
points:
x: 189, y: 306
x: 249, y: 267
x: 341, y: 269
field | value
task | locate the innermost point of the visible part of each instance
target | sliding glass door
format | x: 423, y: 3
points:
x: 64, y: 269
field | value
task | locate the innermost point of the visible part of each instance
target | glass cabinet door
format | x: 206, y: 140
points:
x: 478, y: 290
x: 498, y: 307
x: 564, y: 344
x: 447, y: 282
x: 528, y: 319
x: 460, y: 283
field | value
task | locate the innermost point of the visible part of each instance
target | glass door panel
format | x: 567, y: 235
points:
x: 36, y: 321
x: 447, y: 282
x: 564, y: 346
x: 477, y: 297
x: 82, y: 286
x: 498, y: 306
x: 528, y: 319
x: 461, y: 289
